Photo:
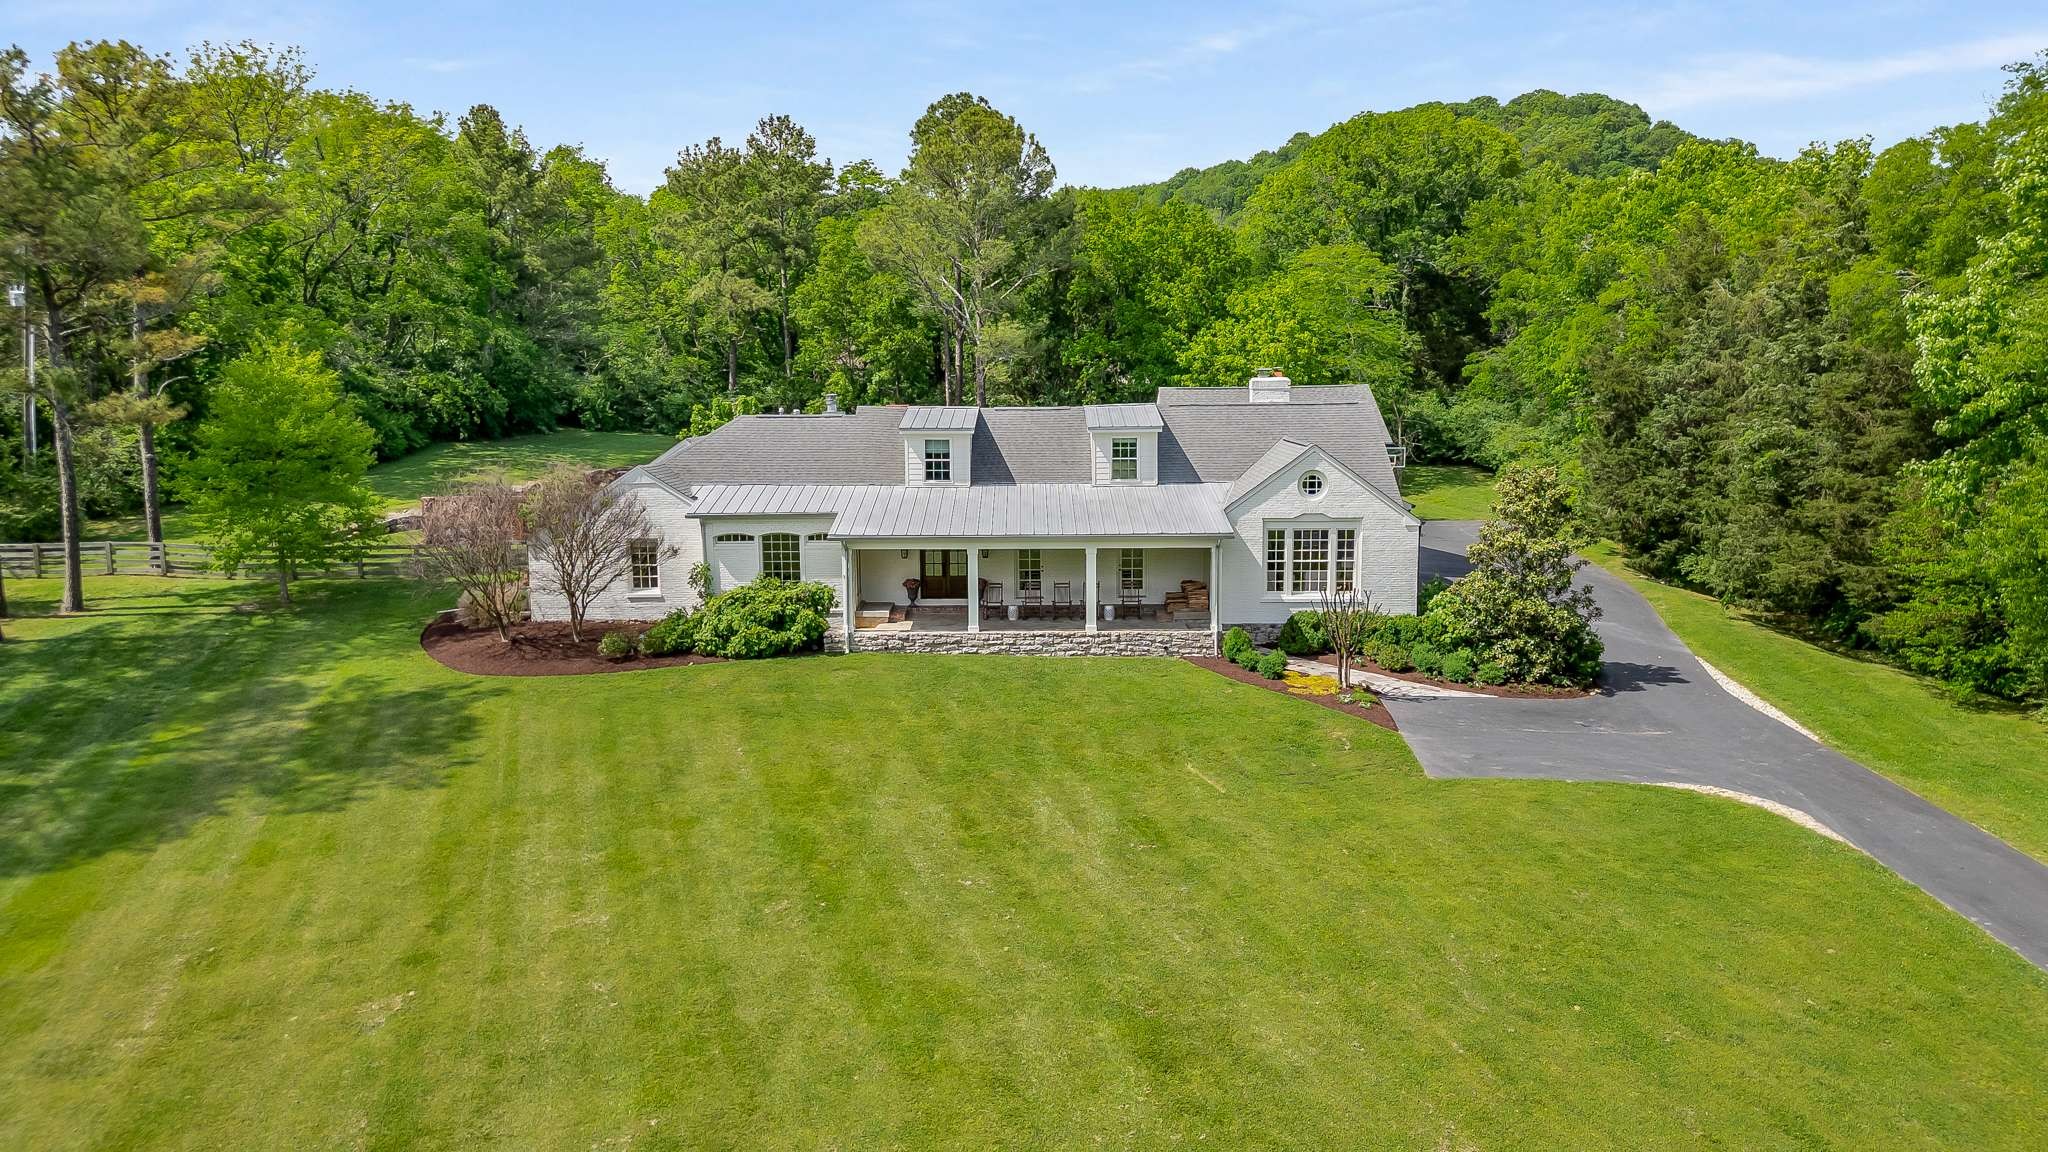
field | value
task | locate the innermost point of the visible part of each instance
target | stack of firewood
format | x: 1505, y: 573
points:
x: 1193, y: 598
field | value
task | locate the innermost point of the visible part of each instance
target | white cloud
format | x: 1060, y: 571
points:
x: 1189, y: 54
x: 1766, y: 77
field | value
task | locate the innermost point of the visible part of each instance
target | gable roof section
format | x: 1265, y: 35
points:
x: 1278, y: 461
x: 1279, y: 456
x: 1207, y: 436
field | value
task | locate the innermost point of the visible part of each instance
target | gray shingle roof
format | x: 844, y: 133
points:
x: 1210, y: 436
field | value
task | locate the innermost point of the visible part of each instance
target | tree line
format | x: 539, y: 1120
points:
x: 1810, y: 387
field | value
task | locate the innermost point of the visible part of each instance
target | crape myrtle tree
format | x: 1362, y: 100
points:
x: 470, y: 538
x: 277, y: 476
x: 580, y: 531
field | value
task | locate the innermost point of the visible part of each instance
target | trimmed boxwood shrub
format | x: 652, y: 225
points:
x: 1247, y: 657
x: 1428, y: 660
x: 615, y: 646
x: 1273, y: 665
x: 768, y: 617
x: 1490, y: 673
x: 1235, y: 641
x: 1302, y: 635
x: 1393, y: 658
x: 1458, y: 667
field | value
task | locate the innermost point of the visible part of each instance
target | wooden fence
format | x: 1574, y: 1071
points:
x: 141, y: 558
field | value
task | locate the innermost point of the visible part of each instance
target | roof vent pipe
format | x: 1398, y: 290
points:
x: 831, y: 403
x: 1269, y: 386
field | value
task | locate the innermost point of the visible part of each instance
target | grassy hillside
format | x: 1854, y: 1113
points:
x: 275, y: 879
x: 401, y: 482
x: 1448, y: 491
x: 1987, y: 764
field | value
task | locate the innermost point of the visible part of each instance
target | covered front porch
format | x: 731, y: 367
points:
x: 1016, y: 587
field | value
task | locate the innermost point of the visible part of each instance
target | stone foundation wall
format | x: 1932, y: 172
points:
x: 1262, y: 634
x: 1109, y: 643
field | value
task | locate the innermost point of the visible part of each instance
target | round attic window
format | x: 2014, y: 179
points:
x: 1311, y: 484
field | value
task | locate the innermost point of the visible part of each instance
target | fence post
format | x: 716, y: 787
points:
x: 36, y: 550
x: 110, y: 557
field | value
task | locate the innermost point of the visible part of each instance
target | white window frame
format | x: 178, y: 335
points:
x: 1118, y: 461
x: 1312, y: 485
x: 939, y: 461
x: 1130, y: 570
x: 1299, y: 566
x: 1030, y: 570
x: 795, y: 549
x: 643, y: 568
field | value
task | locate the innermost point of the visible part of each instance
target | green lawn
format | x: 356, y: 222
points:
x: 1448, y: 491
x: 275, y: 879
x: 1988, y: 765
x: 401, y: 482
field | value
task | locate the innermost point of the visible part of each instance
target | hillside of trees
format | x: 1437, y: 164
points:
x: 1817, y: 388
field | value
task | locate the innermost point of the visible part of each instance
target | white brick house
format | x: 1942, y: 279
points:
x: 1102, y: 528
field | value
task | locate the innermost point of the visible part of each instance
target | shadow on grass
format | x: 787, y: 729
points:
x: 130, y: 727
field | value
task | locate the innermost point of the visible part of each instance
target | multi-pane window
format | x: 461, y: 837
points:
x: 1130, y: 571
x: 1123, y: 459
x: 1311, y: 484
x: 781, y: 556
x: 1311, y: 560
x: 938, y: 461
x: 643, y: 566
x: 1030, y: 570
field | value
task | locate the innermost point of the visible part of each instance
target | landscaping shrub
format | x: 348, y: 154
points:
x: 1302, y: 635
x: 1247, y: 657
x: 1235, y: 641
x: 1272, y: 665
x: 1458, y: 667
x: 1428, y: 660
x: 615, y: 646
x: 1393, y: 658
x: 768, y: 617
x: 677, y: 632
x: 1434, y: 585
x: 1490, y: 673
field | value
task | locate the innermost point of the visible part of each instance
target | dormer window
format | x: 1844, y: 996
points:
x: 1123, y: 458
x: 938, y: 461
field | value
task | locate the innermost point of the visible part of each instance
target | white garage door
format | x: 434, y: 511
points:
x: 737, y: 556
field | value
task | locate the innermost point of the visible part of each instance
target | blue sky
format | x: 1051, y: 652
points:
x: 1118, y: 93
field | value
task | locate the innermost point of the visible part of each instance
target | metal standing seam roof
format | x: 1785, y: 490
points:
x: 937, y: 418
x: 878, y: 511
x: 1108, y: 416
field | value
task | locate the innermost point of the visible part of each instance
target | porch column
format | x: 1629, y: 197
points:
x: 973, y: 587
x: 849, y: 587
x: 1215, y: 609
x: 1088, y: 597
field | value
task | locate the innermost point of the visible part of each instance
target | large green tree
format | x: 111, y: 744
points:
x: 277, y: 476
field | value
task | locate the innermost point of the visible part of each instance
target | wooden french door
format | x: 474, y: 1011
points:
x: 942, y: 574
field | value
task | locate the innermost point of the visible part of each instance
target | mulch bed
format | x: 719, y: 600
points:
x: 1376, y: 714
x: 538, y: 650
x: 1508, y: 691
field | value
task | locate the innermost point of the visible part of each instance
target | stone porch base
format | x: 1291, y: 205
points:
x: 1134, y: 642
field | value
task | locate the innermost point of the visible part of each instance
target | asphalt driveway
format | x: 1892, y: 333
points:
x: 1661, y: 719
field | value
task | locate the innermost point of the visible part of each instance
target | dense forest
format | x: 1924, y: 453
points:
x: 1817, y: 388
